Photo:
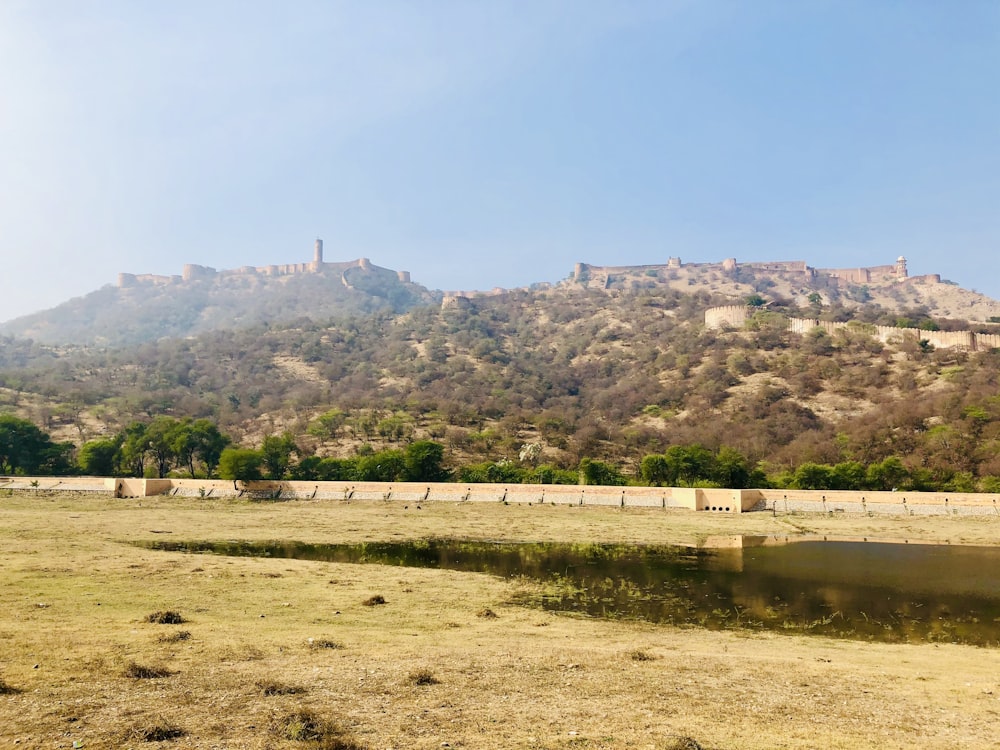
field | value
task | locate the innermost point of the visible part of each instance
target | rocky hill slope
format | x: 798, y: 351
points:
x: 606, y: 373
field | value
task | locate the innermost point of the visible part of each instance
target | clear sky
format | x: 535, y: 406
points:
x: 480, y: 144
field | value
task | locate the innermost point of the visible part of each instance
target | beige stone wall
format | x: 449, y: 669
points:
x: 695, y: 499
x: 736, y: 316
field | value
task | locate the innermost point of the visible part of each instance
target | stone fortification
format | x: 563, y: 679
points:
x: 737, y: 316
x: 887, y: 274
x: 680, y: 498
x: 193, y: 272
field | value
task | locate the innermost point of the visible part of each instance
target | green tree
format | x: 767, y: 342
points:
x: 99, y: 458
x: 240, y: 464
x: 654, y: 470
x: 327, y: 425
x: 688, y: 464
x: 422, y: 461
x: 276, y: 452
x: 599, y: 473
x: 731, y: 469
x: 25, y: 449
x: 160, y: 438
x: 812, y: 476
x: 134, y: 449
x: 886, y: 475
x: 384, y: 466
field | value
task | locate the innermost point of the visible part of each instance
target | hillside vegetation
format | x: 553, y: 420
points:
x: 549, y: 376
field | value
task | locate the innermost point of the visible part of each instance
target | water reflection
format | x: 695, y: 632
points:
x: 885, y: 592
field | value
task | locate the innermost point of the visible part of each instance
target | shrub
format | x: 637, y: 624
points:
x: 165, y: 618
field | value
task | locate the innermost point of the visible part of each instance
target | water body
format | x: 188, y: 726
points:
x: 862, y: 590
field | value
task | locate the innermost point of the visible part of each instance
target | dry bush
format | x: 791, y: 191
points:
x: 7, y: 689
x: 423, y: 677
x: 158, y: 731
x: 180, y: 635
x: 271, y: 686
x: 165, y: 618
x: 138, y: 671
x: 305, y: 726
x: 373, y: 601
x: 681, y: 743
x: 487, y: 613
x: 640, y: 655
x: 319, y: 643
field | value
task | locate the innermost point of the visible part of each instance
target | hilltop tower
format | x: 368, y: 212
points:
x: 901, y: 272
x: 317, y: 263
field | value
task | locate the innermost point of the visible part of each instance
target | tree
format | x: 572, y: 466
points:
x: 134, y: 449
x: 811, y: 476
x: 687, y: 464
x: 161, y: 435
x: 276, y: 453
x: 240, y: 464
x: 599, y: 473
x: 99, y: 458
x: 654, y: 470
x: 327, y: 425
x: 886, y: 475
x: 25, y: 449
x: 206, y: 444
x: 731, y: 469
x: 422, y: 462
x: 384, y: 466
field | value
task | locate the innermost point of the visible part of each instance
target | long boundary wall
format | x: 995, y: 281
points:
x: 737, y: 316
x: 696, y: 499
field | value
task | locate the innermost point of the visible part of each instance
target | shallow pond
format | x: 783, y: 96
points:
x: 886, y: 592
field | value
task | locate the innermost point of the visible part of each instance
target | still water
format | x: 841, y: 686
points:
x: 864, y: 590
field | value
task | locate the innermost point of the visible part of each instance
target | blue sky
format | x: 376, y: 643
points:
x: 481, y: 144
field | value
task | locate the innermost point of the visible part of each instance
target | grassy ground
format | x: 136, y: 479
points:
x: 292, y: 654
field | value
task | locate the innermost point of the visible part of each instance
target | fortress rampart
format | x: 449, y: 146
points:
x: 194, y: 272
x: 680, y: 498
x: 737, y: 316
x: 887, y: 274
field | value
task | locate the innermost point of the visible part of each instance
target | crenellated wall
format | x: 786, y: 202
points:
x: 194, y: 272
x: 736, y: 316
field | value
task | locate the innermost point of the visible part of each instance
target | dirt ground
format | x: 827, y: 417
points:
x: 276, y: 653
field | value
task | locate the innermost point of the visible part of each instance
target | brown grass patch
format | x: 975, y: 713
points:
x: 487, y: 613
x: 7, y: 689
x: 374, y: 601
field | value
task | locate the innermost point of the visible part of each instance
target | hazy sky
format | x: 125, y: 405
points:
x: 488, y: 143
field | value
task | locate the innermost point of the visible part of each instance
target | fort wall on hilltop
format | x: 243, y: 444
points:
x: 193, y: 272
x: 737, y: 316
x: 887, y: 274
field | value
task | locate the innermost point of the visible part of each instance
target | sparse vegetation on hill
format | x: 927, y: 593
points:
x: 530, y: 384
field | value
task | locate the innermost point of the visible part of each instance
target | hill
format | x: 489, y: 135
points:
x: 146, y: 308
x: 580, y: 370
x: 143, y: 308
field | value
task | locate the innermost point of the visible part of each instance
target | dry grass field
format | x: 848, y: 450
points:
x: 274, y: 653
